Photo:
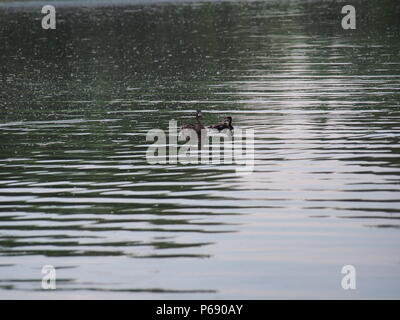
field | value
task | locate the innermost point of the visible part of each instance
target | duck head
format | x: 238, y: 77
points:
x: 228, y: 119
x: 199, y: 115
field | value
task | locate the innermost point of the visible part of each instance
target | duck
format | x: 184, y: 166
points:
x: 227, y: 124
x: 197, y: 127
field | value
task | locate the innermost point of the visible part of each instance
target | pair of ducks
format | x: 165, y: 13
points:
x: 198, y: 126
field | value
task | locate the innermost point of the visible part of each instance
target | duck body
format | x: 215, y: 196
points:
x: 227, y: 124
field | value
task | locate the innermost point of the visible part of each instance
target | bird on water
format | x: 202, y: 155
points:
x: 198, y: 127
x: 227, y: 124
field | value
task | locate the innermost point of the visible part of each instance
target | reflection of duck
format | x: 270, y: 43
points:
x: 227, y: 124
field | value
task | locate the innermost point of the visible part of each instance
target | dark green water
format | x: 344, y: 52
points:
x: 77, y: 193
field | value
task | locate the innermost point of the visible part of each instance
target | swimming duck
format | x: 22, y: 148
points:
x: 197, y: 127
x: 227, y: 124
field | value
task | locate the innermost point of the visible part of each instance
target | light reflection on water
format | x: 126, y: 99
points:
x: 77, y: 193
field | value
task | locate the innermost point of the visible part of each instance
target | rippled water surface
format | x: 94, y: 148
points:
x: 77, y: 193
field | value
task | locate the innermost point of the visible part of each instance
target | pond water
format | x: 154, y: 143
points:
x: 77, y: 193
